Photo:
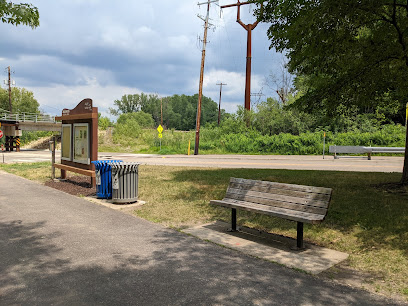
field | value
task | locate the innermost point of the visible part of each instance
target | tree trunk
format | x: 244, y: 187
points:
x: 404, y: 179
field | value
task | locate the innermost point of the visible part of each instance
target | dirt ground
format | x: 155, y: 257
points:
x: 77, y: 185
x: 42, y: 143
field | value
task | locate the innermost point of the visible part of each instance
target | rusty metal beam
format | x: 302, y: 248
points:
x: 248, y: 28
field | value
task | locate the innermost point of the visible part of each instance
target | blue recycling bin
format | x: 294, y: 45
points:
x: 103, y: 177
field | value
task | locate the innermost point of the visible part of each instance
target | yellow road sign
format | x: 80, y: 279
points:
x: 160, y: 135
x: 160, y: 129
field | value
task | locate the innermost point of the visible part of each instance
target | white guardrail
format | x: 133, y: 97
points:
x: 27, y: 117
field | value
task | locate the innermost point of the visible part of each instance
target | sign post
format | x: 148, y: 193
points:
x: 406, y: 115
x: 324, y: 142
x: 160, y: 130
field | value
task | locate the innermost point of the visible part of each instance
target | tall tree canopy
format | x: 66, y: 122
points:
x: 133, y: 103
x: 22, y: 100
x: 22, y: 13
x: 347, y: 52
x: 179, y: 111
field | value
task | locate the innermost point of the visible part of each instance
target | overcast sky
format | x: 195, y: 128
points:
x: 104, y: 49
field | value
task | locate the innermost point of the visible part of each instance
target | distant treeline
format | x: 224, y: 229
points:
x: 179, y: 111
x: 268, y: 118
x: 270, y: 128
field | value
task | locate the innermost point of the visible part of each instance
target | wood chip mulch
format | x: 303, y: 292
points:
x: 75, y: 185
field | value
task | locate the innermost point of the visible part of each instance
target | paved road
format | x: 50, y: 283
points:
x: 296, y: 162
x: 59, y: 249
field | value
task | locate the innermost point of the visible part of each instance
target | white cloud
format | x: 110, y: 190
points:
x: 55, y: 98
x: 103, y: 50
x: 235, y: 82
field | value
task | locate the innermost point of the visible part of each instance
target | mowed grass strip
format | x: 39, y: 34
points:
x: 36, y: 171
x: 367, y: 218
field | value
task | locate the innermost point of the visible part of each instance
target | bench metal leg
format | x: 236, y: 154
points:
x: 299, y: 240
x: 233, y: 220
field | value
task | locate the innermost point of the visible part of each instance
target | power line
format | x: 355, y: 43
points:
x: 200, y: 88
x: 219, y: 104
x: 9, y: 83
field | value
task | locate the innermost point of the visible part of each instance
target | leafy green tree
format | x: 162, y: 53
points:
x: 22, y: 100
x: 127, y: 104
x: 273, y: 118
x: 104, y: 122
x: 179, y: 111
x: 134, y: 103
x: 22, y: 13
x: 151, y: 105
x: 143, y: 119
x: 184, y: 111
x: 125, y: 133
x: 351, y: 52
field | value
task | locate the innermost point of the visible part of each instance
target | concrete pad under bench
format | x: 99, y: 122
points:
x: 110, y: 204
x: 313, y: 259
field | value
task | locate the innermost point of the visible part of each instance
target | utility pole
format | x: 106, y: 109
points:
x: 248, y: 28
x: 9, y: 90
x: 219, y: 104
x: 161, y: 111
x: 200, y: 88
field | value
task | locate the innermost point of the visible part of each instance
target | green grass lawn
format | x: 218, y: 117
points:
x: 367, y: 218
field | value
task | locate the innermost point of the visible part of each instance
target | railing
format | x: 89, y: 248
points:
x: 26, y: 117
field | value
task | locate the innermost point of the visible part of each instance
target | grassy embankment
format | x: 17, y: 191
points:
x: 217, y: 141
x: 368, y: 215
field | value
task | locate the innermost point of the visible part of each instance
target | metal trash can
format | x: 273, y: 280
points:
x: 103, y: 177
x: 125, y: 184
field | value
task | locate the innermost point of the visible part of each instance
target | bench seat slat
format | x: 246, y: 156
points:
x: 273, y: 190
x: 272, y: 211
x: 294, y: 187
x: 277, y: 203
x: 277, y: 197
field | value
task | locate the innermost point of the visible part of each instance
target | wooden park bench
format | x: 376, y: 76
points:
x: 303, y: 204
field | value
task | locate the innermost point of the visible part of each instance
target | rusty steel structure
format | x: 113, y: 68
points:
x: 248, y: 27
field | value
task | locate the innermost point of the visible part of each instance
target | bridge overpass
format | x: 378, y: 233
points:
x: 12, y: 125
x: 29, y: 121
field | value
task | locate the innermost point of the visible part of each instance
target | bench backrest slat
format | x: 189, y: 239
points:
x: 294, y: 187
x: 277, y: 197
x: 280, y: 204
x: 300, y: 198
x: 234, y: 187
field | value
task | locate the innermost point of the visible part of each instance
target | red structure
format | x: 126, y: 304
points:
x: 248, y: 28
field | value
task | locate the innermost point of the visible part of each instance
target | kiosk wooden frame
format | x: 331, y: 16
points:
x: 83, y: 144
